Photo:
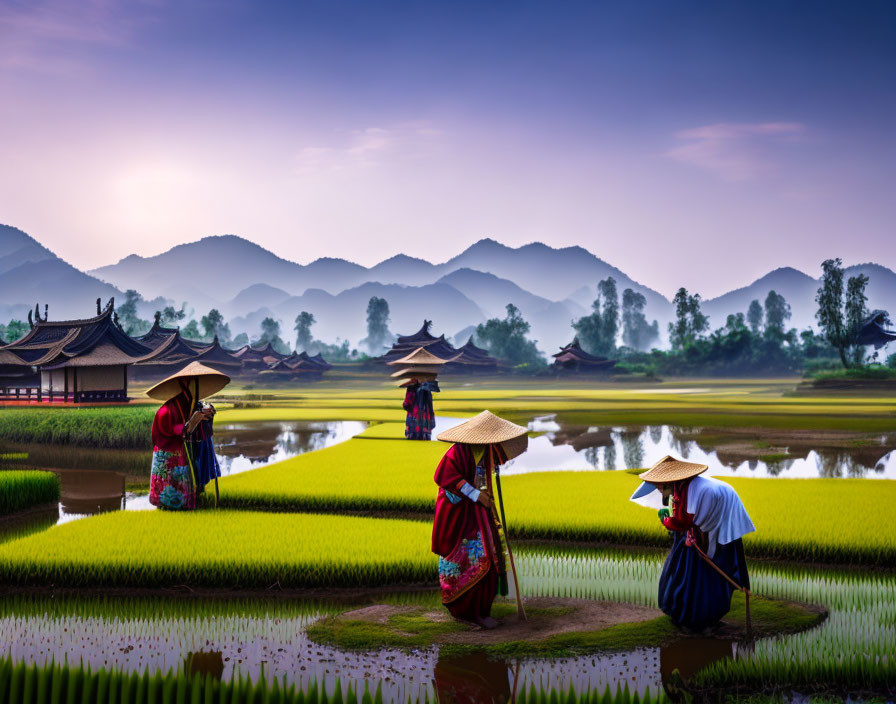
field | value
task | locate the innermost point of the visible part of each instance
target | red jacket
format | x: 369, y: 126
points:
x: 168, y: 425
x: 680, y: 520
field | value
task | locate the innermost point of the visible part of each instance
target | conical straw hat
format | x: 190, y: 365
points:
x: 489, y: 429
x: 670, y: 469
x: 421, y: 356
x: 415, y: 371
x: 211, y: 382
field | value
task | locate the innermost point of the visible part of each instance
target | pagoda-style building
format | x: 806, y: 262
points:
x: 157, y: 334
x: 172, y: 355
x: 574, y: 359
x: 219, y: 358
x: 300, y: 366
x: 258, y: 358
x: 76, y: 360
x: 405, y: 344
x: 473, y: 359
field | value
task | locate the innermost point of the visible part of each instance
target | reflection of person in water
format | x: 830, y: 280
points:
x: 472, y: 679
x: 707, y: 520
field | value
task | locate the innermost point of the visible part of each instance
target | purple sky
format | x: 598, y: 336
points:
x: 689, y: 143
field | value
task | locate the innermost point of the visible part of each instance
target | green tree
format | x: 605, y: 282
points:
x: 127, y: 314
x: 636, y: 332
x: 214, y: 326
x: 270, y: 332
x: 777, y: 313
x: 172, y: 316
x: 16, y: 330
x: 754, y: 316
x: 378, y: 335
x: 597, y: 332
x: 506, y: 339
x: 240, y: 340
x: 190, y: 331
x: 304, y: 321
x: 855, y: 313
x: 690, y: 323
x: 840, y: 323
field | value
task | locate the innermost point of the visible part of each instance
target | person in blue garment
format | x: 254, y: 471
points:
x: 705, y: 516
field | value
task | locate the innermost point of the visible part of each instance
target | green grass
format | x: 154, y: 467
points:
x: 242, y: 550
x: 118, y: 427
x: 796, y: 519
x: 21, y: 489
x: 53, y: 683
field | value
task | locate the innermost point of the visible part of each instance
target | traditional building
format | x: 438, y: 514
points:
x: 219, y: 358
x: 169, y: 357
x: 157, y: 334
x: 405, y: 344
x: 76, y: 360
x: 574, y: 358
x: 258, y: 358
x: 473, y: 359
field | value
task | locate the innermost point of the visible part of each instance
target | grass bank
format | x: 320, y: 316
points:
x: 125, y: 427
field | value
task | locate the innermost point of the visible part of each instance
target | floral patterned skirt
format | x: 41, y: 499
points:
x: 171, y: 484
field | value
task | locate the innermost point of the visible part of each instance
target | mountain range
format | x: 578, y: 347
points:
x: 551, y: 287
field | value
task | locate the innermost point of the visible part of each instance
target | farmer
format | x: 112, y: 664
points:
x: 421, y: 417
x: 183, y: 459
x: 465, y: 533
x: 707, y: 520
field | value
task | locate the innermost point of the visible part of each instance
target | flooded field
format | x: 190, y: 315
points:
x: 728, y: 452
x: 223, y: 638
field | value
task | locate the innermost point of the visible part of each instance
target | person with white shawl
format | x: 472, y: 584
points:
x: 707, y: 520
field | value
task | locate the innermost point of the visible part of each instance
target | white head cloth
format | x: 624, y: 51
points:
x: 716, y: 507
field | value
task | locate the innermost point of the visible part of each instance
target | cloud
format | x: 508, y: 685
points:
x: 735, y: 151
x: 35, y: 35
x: 369, y: 147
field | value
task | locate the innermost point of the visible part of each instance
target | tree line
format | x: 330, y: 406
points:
x: 754, y: 341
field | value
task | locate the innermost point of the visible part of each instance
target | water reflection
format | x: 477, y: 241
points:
x: 474, y: 678
x: 224, y: 638
x: 564, y: 446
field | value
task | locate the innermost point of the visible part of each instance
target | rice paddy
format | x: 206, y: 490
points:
x: 221, y: 549
x: 22, y: 489
x: 800, y: 519
x: 841, y: 522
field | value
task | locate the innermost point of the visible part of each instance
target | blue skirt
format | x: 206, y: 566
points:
x: 691, y: 592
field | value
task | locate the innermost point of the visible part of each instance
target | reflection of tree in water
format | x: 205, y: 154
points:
x: 839, y: 464
x: 632, y: 448
x: 680, y: 440
x: 656, y: 434
x: 775, y: 467
x: 610, y: 457
x: 592, y: 456
x: 295, y: 442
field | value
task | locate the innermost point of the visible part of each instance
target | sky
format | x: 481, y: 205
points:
x: 688, y: 143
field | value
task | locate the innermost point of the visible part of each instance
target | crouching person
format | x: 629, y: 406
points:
x: 707, y: 520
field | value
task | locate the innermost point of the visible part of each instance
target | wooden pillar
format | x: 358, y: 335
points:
x: 75, y: 396
x: 124, y: 372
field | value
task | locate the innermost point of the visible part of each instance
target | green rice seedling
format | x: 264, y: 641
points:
x: 21, y: 489
x: 53, y: 683
x: 797, y: 519
x: 116, y: 427
x: 851, y: 651
x: 242, y: 550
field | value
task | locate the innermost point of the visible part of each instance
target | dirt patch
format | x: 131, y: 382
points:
x: 547, y: 617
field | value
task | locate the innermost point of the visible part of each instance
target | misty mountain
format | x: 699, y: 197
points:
x: 216, y: 269
x: 254, y: 297
x: 552, y: 273
x: 30, y: 273
x: 344, y: 316
x: 549, y: 320
x: 799, y: 290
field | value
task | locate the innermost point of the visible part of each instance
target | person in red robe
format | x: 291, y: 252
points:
x: 175, y: 474
x: 465, y: 536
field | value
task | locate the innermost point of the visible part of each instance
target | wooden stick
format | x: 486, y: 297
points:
x: 521, y: 612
